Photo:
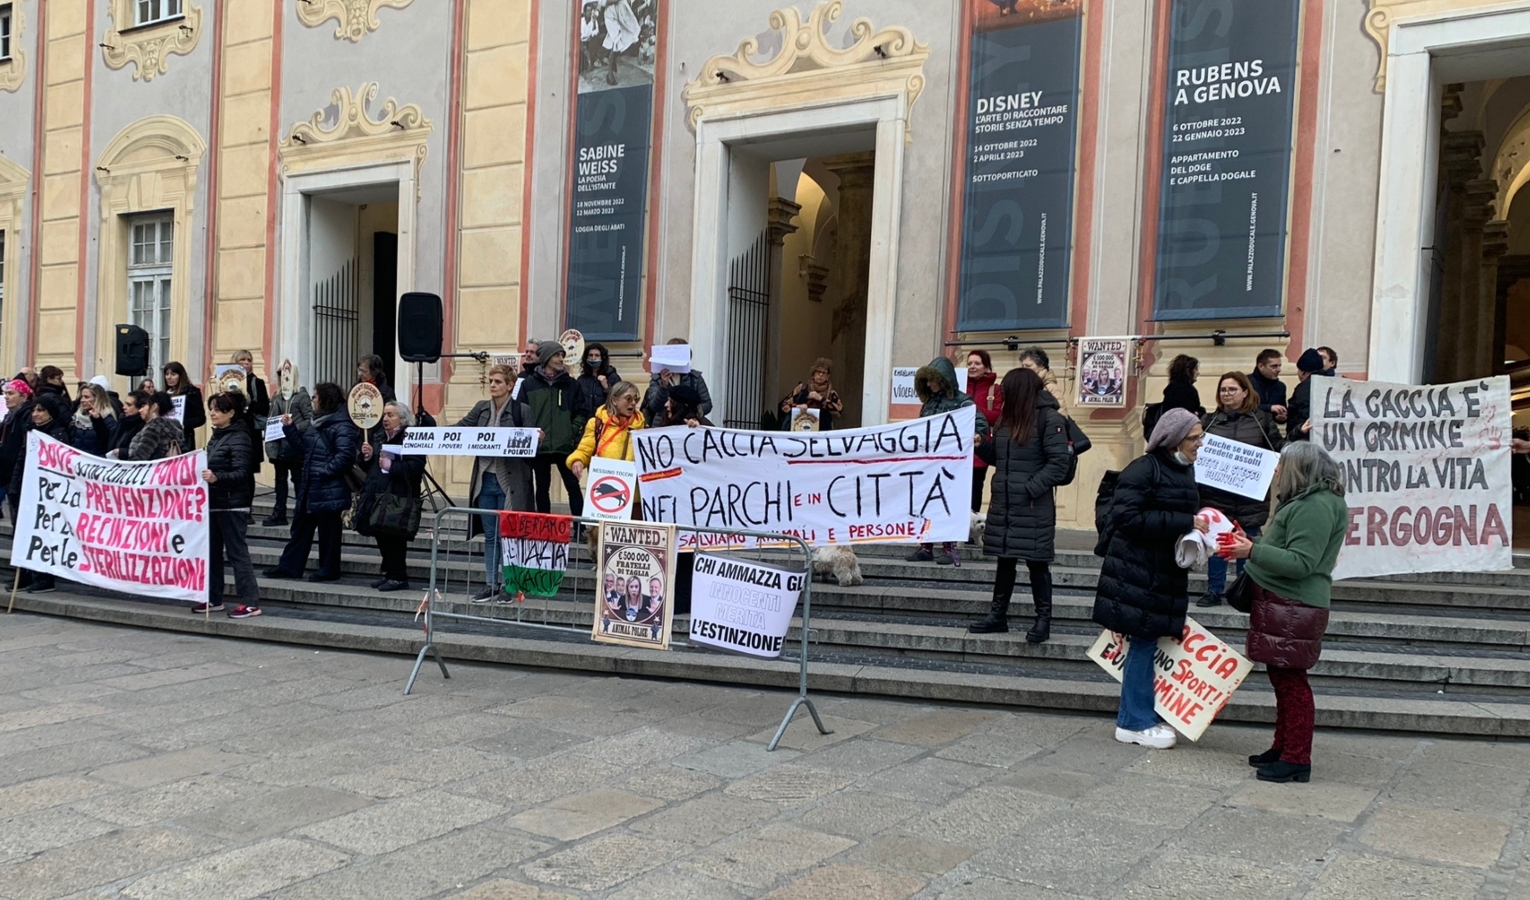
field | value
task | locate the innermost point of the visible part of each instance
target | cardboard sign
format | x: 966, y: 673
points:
x: 509, y: 442
x: 287, y: 379
x: 1193, y: 678
x: 635, y: 603
x: 1102, y: 371
x: 1238, y: 468
x: 178, y: 408
x: 274, y: 430
x: 365, y: 405
x: 610, y: 489
x: 136, y: 527
x: 742, y: 606
x: 674, y: 357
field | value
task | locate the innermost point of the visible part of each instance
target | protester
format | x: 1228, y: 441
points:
x: 1330, y: 361
x: 498, y: 482
x: 1267, y: 384
x: 935, y: 384
x: 1238, y: 418
x: 1291, y: 568
x: 661, y: 381
x: 1029, y: 452
x: 984, y: 389
x: 1035, y: 359
x: 596, y: 375
x: 50, y: 381
x: 178, y: 384
x: 397, y: 475
x: 148, y: 386
x: 160, y: 436
x: 230, y: 477
x: 29, y: 375
x: 93, y: 422
x: 255, y: 390
x: 102, y: 382
x: 1519, y: 445
x: 369, y: 370
x: 49, y: 417
x: 13, y: 434
x: 816, y: 393
x: 287, y: 456
x: 329, y: 449
x: 1299, y: 414
x: 1143, y: 593
x: 551, y: 394
x: 682, y: 408
x: 1180, y: 392
x: 127, y: 428
x: 609, y: 434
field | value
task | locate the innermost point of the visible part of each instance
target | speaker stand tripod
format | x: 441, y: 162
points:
x: 434, y: 493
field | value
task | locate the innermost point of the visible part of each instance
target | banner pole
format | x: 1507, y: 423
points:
x: 15, y: 584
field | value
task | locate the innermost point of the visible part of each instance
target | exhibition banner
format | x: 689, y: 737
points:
x: 742, y: 606
x: 533, y: 549
x: 909, y: 482
x: 451, y: 441
x: 1021, y: 137
x: 1226, y: 168
x: 613, y: 128
x: 1102, y: 371
x: 1193, y: 677
x: 1235, y: 467
x: 136, y: 527
x: 1426, y: 473
x: 636, y: 603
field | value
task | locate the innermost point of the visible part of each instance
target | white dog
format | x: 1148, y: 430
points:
x: 976, y: 527
x: 840, y: 562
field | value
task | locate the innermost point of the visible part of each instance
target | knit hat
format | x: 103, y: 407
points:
x: 547, y: 350
x: 685, y: 397
x: 1172, y: 428
x: 1310, y: 361
x: 101, y: 382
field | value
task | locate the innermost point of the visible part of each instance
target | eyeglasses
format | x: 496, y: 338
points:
x: 1229, y: 390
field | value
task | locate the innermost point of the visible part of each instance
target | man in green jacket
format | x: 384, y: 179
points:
x: 551, y: 394
x: 935, y: 384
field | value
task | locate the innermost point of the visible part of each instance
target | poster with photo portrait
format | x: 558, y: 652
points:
x: 634, y: 602
x: 618, y: 43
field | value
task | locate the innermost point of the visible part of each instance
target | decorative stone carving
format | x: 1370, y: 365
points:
x: 886, y: 59
x: 1378, y: 22
x: 14, y: 70
x: 356, y: 18
x: 149, y: 48
x: 353, y: 134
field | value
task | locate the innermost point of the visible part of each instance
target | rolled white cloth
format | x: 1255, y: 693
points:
x: 621, y: 26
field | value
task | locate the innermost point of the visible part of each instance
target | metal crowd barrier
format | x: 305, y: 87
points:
x: 431, y: 613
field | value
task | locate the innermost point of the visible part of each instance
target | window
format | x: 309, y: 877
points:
x: 147, y: 12
x: 5, y: 31
x: 149, y: 283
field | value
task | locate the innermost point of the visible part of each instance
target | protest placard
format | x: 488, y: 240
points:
x: 274, y: 429
x: 1193, y: 677
x: 635, y: 603
x: 365, y: 405
x: 742, y: 606
x: 903, y: 483
x: 674, y: 357
x: 1239, y: 468
x: 178, y: 408
x: 137, y: 527
x: 513, y: 442
x: 1102, y: 371
x: 1427, y: 474
x: 533, y: 552
x: 610, y: 489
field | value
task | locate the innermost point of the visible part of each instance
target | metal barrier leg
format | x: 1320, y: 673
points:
x: 419, y: 661
x: 802, y: 659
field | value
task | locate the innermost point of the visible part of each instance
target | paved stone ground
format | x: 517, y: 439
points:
x: 161, y: 766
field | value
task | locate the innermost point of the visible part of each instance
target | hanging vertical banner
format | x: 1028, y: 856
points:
x: 613, y: 127
x: 1022, y: 126
x: 1226, y: 159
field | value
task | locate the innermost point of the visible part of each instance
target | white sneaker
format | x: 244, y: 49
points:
x: 1160, y: 737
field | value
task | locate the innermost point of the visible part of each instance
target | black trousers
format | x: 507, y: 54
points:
x: 226, y: 534
x: 978, y: 477
x: 304, y: 524
x: 285, y: 472
x: 541, y: 476
x: 395, y: 561
x: 1041, y: 582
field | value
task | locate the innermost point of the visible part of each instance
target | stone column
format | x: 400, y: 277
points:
x: 1473, y: 315
x: 778, y: 225
x: 848, y: 279
x: 1489, y: 347
x: 1459, y: 163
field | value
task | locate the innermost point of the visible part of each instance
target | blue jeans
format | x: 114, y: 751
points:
x: 491, y: 496
x: 1137, y: 686
x: 1216, y: 568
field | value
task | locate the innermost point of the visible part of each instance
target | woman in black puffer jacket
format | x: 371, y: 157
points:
x: 396, y: 475
x: 1238, y: 418
x: 230, y: 477
x: 1143, y: 593
x: 329, y: 450
x: 50, y: 416
x: 1030, y: 455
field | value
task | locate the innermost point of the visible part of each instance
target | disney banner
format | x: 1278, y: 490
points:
x: 904, y: 483
x: 136, y: 527
x: 1426, y: 474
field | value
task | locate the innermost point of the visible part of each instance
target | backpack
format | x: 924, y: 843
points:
x: 1078, y: 445
x: 1150, y: 416
x: 1105, y: 507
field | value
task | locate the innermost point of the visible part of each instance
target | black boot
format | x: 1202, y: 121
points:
x: 1041, y: 590
x: 997, y: 621
x: 1042, y: 629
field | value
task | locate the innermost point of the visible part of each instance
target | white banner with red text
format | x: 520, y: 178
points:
x: 136, y: 527
x: 903, y: 483
x: 1193, y: 677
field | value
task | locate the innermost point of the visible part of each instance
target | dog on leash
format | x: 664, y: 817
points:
x: 840, y: 562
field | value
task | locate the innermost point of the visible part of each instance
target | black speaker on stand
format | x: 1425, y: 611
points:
x: 420, y: 321
x: 132, y: 351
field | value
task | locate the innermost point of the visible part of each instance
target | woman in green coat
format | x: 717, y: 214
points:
x: 1291, y: 570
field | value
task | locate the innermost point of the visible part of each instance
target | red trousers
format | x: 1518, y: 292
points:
x: 1294, y: 714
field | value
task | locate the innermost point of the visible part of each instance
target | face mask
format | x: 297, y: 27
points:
x: 1181, y: 458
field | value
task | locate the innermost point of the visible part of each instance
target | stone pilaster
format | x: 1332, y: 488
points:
x: 849, y: 276
x: 778, y: 224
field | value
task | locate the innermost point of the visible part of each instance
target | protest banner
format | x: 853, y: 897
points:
x: 610, y: 489
x: 513, y: 442
x: 1235, y: 467
x: 635, y: 605
x: 742, y: 606
x: 674, y: 357
x: 1426, y: 474
x: 1102, y: 371
x: 904, y: 483
x: 1193, y: 677
x: 274, y: 430
x: 178, y: 408
x: 287, y: 379
x: 136, y: 527
x: 534, y: 552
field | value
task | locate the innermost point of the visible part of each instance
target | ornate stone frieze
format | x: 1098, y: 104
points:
x: 1382, y: 13
x: 354, y: 129
x: 14, y: 70
x: 149, y: 47
x: 356, y: 18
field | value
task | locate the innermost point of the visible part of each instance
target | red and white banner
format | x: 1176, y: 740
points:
x: 1193, y: 677
x: 136, y: 527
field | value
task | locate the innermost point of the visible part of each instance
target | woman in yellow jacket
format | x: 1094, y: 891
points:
x: 608, y: 435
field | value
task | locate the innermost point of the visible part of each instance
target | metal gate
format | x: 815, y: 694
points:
x: 334, y: 327
x: 748, y: 324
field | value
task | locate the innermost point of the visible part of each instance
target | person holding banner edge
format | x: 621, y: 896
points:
x: 50, y: 417
x: 1238, y: 418
x: 935, y: 384
x: 1291, y: 570
x: 1143, y: 594
x: 498, y: 482
x: 230, y: 477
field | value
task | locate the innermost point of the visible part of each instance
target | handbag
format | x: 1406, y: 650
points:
x: 394, y: 516
x: 1240, y: 594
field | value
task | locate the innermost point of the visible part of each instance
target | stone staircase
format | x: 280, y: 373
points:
x: 1443, y: 653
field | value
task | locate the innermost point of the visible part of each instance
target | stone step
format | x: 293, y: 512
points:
x: 1419, y: 713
